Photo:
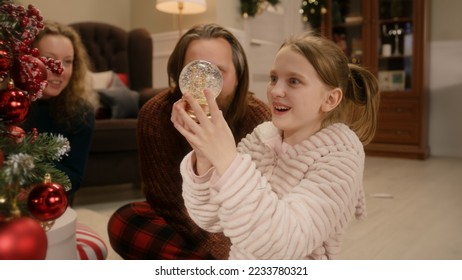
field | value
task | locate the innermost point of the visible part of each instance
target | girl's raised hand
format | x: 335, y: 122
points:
x: 211, y: 138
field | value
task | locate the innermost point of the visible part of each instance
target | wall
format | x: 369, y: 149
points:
x: 445, y: 84
x: 445, y: 20
x: 69, y: 11
x: 265, y: 33
x: 446, y: 98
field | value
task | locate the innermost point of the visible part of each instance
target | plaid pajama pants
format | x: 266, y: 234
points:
x: 136, y: 232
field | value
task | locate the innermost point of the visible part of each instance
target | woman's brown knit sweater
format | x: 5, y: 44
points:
x: 161, y: 150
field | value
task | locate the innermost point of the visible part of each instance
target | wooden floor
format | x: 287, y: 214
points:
x: 414, y: 210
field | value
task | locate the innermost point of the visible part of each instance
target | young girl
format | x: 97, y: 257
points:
x: 290, y: 188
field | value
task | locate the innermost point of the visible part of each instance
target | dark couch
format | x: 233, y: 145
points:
x: 113, y: 156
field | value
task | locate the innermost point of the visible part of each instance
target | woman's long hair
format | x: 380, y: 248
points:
x: 238, y: 105
x: 74, y: 101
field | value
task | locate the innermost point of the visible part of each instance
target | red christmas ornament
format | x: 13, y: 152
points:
x: 47, y: 201
x: 16, y: 133
x: 40, y: 67
x: 30, y: 74
x: 5, y: 57
x: 14, y: 104
x: 22, y: 239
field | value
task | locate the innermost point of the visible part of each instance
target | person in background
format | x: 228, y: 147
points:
x: 67, y: 107
x: 160, y: 228
x: 290, y: 188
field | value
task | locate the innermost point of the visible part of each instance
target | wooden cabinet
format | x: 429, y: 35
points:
x: 389, y: 37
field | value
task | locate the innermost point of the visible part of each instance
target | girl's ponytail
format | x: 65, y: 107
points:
x: 362, y: 102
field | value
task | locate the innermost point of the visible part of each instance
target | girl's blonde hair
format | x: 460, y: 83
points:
x: 73, y: 102
x: 360, y: 101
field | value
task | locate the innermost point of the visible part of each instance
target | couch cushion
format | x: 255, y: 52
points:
x: 122, y: 101
x: 124, y: 78
x: 100, y: 80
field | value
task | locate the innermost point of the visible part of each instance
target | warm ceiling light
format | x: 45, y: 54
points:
x: 181, y: 6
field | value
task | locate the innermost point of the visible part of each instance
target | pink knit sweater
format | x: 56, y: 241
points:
x: 278, y: 201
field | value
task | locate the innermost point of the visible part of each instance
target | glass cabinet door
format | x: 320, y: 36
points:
x: 389, y: 38
x: 395, y: 45
x: 347, y: 28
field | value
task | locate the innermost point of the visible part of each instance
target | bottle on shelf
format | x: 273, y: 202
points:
x: 408, y: 39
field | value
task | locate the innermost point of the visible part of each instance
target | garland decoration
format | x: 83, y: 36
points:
x: 312, y: 12
x: 250, y: 8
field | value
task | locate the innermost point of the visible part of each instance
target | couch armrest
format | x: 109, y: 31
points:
x: 148, y: 93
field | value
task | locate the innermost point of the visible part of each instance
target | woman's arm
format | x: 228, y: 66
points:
x: 80, y: 142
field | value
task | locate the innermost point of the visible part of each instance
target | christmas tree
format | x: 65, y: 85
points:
x: 32, y: 190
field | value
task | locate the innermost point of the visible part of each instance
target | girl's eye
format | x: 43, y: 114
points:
x: 294, y: 81
x: 273, y: 79
x: 67, y: 62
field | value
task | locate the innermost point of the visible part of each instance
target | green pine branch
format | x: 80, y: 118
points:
x: 26, y: 163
